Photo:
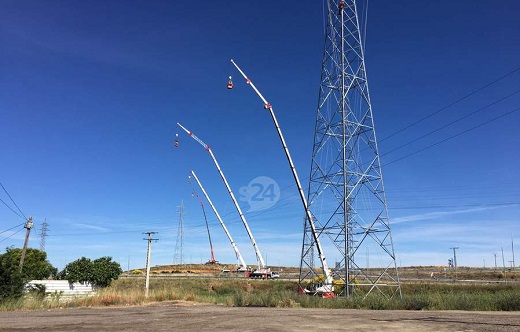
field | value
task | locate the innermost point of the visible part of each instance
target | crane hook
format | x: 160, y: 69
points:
x: 176, y: 142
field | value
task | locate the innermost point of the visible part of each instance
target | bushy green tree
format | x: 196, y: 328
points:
x: 11, y: 282
x: 36, y: 266
x: 99, y: 272
x: 78, y: 271
x: 104, y: 271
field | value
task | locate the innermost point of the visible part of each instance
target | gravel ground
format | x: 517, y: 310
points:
x: 189, y: 316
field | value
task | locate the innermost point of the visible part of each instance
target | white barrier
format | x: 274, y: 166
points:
x: 62, y: 288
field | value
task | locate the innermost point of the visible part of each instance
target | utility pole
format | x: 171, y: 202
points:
x: 495, y: 254
x: 148, y: 254
x: 28, y: 225
x: 455, y: 260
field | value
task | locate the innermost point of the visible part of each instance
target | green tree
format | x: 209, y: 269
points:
x: 36, y: 266
x: 99, y: 273
x: 78, y: 271
x: 11, y: 282
x: 104, y: 271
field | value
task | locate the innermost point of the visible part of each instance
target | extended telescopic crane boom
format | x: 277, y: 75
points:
x: 239, y: 256
x: 212, y: 260
x: 328, y: 286
x: 260, y: 259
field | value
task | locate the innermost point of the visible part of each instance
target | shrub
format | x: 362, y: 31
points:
x: 12, y: 281
x: 415, y: 303
x: 36, y: 291
x: 508, y: 302
x: 99, y: 272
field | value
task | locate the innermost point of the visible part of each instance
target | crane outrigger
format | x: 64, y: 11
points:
x: 263, y: 271
x: 327, y: 289
x: 243, y: 266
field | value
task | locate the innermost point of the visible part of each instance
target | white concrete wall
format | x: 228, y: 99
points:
x: 63, y: 287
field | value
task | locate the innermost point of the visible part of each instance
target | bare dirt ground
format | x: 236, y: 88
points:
x: 188, y: 316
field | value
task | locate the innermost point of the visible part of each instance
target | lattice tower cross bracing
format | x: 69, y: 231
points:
x: 346, y: 194
x: 178, y: 254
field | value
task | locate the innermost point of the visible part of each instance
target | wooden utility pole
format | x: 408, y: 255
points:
x: 148, y: 254
x: 28, y: 225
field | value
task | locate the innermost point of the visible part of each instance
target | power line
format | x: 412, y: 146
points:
x: 21, y: 229
x: 1, y: 200
x: 456, y: 206
x: 458, y: 187
x: 12, y: 201
x: 453, y: 122
x: 7, y: 230
x: 199, y: 229
x: 447, y: 125
x: 453, y: 136
x: 449, y: 105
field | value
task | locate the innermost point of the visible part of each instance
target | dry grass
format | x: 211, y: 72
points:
x: 423, y: 295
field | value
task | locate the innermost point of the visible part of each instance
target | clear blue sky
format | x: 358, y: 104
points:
x: 90, y: 93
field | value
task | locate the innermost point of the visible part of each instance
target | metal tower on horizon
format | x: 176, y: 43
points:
x: 346, y: 194
x: 43, y: 235
x: 178, y: 255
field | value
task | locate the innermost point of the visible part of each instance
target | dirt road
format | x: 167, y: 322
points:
x: 176, y: 316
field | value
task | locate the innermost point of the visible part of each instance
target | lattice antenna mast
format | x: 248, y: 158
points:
x: 233, y: 244
x: 328, y: 286
x: 346, y: 193
x: 43, y: 235
x: 178, y: 256
x: 260, y: 259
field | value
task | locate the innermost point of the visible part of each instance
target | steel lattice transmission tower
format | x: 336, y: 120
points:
x: 43, y: 235
x: 346, y: 194
x: 178, y: 255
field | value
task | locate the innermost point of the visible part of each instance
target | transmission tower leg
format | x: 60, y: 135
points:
x: 346, y: 193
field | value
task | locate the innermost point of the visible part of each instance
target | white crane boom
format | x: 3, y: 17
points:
x: 260, y: 259
x: 237, y: 252
x: 328, y: 286
x: 212, y: 259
